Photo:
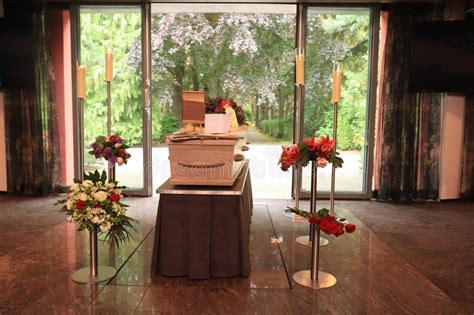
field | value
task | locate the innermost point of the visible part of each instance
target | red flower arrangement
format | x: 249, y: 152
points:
x: 321, y: 150
x: 326, y: 222
x: 217, y: 105
x: 112, y: 148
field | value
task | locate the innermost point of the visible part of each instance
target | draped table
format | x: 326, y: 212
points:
x: 203, y: 231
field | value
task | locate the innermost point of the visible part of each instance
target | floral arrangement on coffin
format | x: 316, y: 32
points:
x: 321, y: 150
x: 95, y: 203
x: 112, y: 148
x: 326, y: 222
x: 218, y: 105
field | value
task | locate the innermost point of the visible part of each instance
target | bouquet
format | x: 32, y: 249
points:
x: 112, y: 148
x: 326, y: 222
x: 93, y: 203
x: 319, y: 150
x: 217, y: 105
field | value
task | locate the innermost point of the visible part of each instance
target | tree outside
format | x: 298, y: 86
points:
x: 246, y: 57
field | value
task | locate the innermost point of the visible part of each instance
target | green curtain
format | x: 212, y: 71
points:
x: 410, y: 137
x: 467, y: 175
x: 31, y: 126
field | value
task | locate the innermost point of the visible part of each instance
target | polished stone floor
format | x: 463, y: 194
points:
x: 403, y: 259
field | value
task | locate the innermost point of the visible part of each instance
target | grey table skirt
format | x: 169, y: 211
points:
x: 203, y: 232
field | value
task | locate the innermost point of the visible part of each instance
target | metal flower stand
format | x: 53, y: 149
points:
x: 314, y: 278
x: 307, y: 240
x: 94, y: 273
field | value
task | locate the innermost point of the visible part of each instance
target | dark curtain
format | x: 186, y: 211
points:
x: 409, y: 141
x: 467, y: 175
x: 30, y: 114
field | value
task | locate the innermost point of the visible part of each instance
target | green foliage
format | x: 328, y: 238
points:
x: 198, y: 52
x: 168, y: 124
x: 118, y: 32
x: 282, y: 129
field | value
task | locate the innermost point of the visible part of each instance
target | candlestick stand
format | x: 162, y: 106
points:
x: 94, y: 273
x: 333, y: 170
x: 111, y: 170
x: 314, y: 278
x: 80, y: 105
x: 306, y: 240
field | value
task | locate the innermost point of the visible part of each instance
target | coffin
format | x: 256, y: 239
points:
x: 206, y: 162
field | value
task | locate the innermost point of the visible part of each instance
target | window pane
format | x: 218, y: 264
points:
x: 117, y: 29
x: 338, y: 35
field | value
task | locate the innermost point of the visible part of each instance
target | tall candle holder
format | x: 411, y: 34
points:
x: 108, y: 79
x: 336, y: 96
x: 299, y: 100
x: 81, y: 95
x: 314, y: 278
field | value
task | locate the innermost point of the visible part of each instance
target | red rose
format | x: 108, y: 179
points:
x: 226, y: 102
x: 113, y: 138
x: 339, y: 231
x: 80, y: 205
x: 114, y: 197
x: 123, y: 153
x: 350, y: 228
x: 314, y: 220
x: 97, y: 205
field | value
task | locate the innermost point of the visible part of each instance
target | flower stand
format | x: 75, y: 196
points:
x: 306, y: 240
x: 314, y: 278
x: 94, y: 273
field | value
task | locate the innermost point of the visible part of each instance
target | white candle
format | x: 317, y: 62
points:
x: 336, y: 83
x: 300, y: 69
x: 109, y: 59
x: 81, y: 82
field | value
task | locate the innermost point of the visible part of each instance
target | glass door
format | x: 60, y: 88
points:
x: 342, y: 35
x: 118, y: 30
x: 240, y: 51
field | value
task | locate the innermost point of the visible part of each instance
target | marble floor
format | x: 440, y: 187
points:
x: 403, y: 259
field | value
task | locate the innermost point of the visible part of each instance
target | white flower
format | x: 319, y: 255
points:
x: 109, y: 185
x: 87, y: 184
x: 69, y: 204
x: 118, y: 192
x: 84, y: 197
x: 100, y: 196
x: 105, y: 227
x: 74, y: 187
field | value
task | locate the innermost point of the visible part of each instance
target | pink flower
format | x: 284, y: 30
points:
x: 321, y: 162
x: 118, y: 145
x: 119, y: 161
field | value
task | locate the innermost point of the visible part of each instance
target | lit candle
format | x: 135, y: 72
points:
x: 336, y: 83
x: 300, y: 69
x: 109, y: 66
x: 81, y: 82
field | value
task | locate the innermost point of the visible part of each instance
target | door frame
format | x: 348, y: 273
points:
x: 371, y: 104
x: 146, y: 95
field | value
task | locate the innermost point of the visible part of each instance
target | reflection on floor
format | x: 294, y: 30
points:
x: 377, y: 269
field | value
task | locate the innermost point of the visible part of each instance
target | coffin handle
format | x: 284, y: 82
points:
x: 202, y: 165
